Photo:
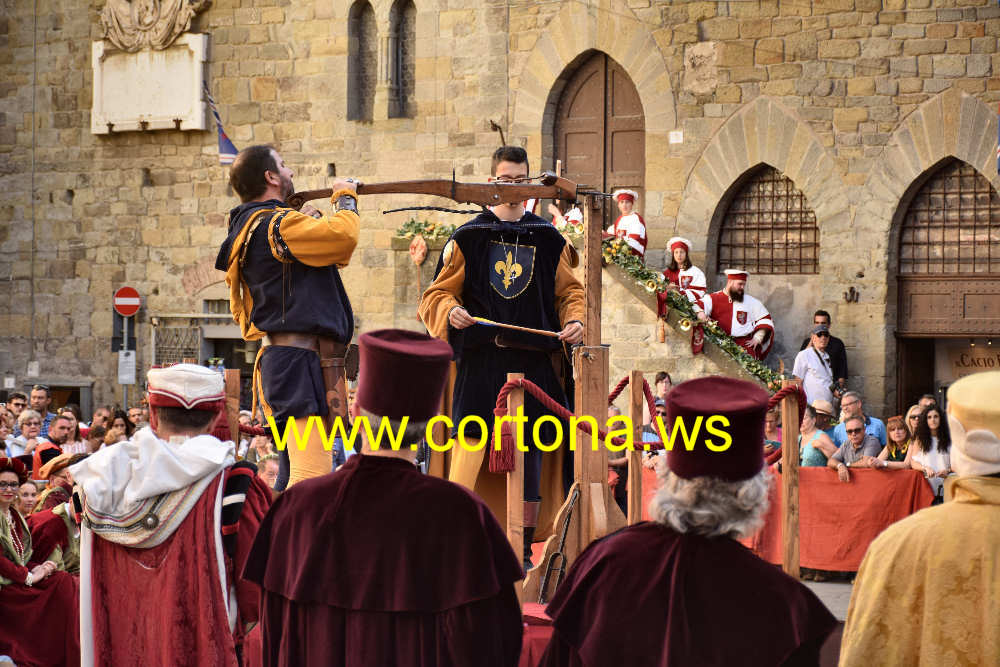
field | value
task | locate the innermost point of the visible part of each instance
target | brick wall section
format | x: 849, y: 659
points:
x: 864, y: 96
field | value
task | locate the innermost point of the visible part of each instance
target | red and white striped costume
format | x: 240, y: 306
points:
x: 743, y: 320
x: 632, y: 228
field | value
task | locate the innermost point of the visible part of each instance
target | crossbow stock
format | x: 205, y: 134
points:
x: 485, y: 194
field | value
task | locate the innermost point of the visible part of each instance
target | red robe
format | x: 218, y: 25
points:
x: 648, y: 595
x: 165, y: 605
x: 741, y: 320
x: 39, y: 624
x: 48, y: 531
x: 377, y: 564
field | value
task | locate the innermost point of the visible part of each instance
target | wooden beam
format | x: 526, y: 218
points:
x: 233, y: 403
x: 790, y: 480
x: 593, y: 221
x: 636, y: 398
x: 515, y: 478
x: 591, y: 467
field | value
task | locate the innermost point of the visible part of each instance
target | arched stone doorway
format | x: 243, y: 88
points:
x: 599, y: 130
x: 948, y: 261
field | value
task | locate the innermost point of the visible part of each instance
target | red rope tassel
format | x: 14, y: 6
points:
x: 502, y: 459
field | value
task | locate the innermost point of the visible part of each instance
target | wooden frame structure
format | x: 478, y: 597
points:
x: 595, y: 512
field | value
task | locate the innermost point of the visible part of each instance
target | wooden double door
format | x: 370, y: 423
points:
x: 600, y: 129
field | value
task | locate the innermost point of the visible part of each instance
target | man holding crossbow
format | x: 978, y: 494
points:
x: 282, y: 268
x: 509, y: 266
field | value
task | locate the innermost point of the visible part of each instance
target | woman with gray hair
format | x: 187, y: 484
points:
x: 30, y: 424
x: 688, y: 592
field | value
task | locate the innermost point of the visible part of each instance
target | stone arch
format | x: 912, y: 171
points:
x: 952, y: 124
x: 572, y: 35
x: 763, y: 132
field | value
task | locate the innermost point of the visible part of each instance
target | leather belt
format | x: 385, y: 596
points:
x: 305, y: 341
x: 331, y: 361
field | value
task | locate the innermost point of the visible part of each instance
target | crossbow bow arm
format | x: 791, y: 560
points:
x: 484, y: 194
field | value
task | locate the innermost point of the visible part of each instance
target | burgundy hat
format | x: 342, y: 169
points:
x: 744, y: 404
x: 403, y: 374
x: 15, y: 466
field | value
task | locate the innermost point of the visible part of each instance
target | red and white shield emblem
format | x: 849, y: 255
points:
x: 685, y: 282
x: 741, y: 316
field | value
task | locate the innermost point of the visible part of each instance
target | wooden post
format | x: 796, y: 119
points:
x: 515, y: 478
x: 593, y: 230
x: 635, y: 456
x: 590, y: 368
x: 233, y: 403
x: 790, y: 480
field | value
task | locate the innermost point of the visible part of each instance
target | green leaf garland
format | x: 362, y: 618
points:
x: 617, y: 252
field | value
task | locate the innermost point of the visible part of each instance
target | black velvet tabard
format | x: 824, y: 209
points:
x: 510, y: 275
x: 288, y: 297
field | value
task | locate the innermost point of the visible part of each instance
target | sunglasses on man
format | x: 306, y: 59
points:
x: 853, y: 431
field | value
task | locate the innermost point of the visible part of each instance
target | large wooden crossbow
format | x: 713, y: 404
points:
x: 550, y: 186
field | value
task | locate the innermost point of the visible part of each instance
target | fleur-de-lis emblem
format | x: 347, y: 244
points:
x: 509, y: 270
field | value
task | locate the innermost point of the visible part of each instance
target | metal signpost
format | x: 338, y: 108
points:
x: 126, y: 303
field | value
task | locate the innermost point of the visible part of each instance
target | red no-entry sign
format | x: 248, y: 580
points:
x: 126, y: 301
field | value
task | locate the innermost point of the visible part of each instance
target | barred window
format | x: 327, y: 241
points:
x: 402, y: 49
x: 361, y: 61
x: 769, y: 227
x: 952, y: 225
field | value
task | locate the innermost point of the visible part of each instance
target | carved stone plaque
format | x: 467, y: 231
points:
x: 150, y: 89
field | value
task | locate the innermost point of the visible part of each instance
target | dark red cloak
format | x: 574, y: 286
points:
x: 48, y: 531
x: 40, y: 624
x: 377, y: 564
x: 648, y: 595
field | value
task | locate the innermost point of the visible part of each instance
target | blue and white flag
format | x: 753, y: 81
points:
x: 227, y: 151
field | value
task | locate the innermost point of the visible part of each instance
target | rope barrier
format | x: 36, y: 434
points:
x: 253, y: 430
x: 502, y: 458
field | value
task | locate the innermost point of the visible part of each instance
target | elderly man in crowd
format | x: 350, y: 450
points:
x: 851, y: 406
x: 928, y: 592
x: 680, y: 590
x: 857, y: 452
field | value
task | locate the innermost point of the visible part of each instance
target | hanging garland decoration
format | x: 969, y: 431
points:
x: 617, y: 252
x: 425, y: 228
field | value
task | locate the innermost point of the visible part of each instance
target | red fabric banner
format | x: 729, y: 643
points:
x: 837, y: 520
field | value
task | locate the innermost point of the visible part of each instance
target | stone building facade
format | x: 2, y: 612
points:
x: 858, y: 103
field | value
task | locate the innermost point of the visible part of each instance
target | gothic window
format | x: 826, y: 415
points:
x: 952, y: 225
x: 769, y: 227
x: 361, y: 61
x: 402, y: 51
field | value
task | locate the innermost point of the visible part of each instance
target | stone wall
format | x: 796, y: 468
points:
x: 852, y: 99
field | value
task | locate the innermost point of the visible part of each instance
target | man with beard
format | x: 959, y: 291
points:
x: 282, y: 268
x: 739, y: 314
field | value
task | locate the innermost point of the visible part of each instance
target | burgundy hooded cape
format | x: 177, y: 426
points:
x: 648, y: 595
x: 377, y: 564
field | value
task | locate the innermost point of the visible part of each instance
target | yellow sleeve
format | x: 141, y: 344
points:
x: 444, y: 293
x: 320, y: 241
x: 570, y: 300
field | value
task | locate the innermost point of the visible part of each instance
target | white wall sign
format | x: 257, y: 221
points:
x: 149, y: 89
x: 126, y: 367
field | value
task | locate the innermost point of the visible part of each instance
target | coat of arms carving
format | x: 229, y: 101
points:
x: 133, y: 25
